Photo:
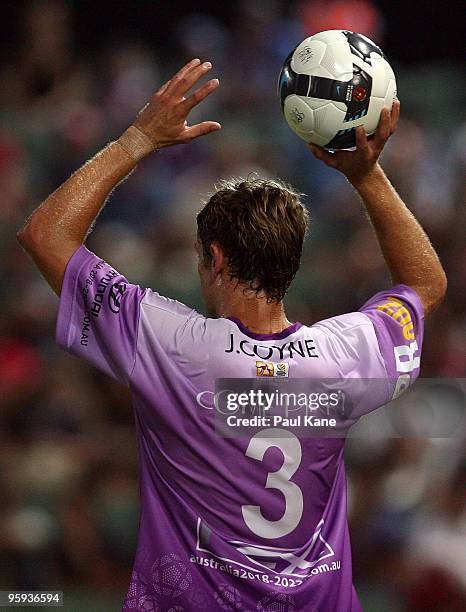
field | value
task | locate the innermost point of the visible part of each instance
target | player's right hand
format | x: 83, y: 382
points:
x: 164, y: 119
x: 358, y: 164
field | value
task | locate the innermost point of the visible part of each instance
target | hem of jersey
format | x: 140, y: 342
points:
x: 379, y: 331
x: 409, y: 288
x: 67, y: 295
x: 395, y: 289
x: 291, y: 329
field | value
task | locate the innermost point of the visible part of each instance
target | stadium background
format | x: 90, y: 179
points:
x: 72, y: 76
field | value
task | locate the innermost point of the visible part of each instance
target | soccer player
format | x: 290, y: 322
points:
x: 228, y: 522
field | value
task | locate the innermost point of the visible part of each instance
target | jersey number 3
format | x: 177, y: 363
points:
x: 290, y: 447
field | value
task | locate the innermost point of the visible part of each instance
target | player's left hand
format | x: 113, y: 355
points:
x: 356, y: 165
x: 164, y: 119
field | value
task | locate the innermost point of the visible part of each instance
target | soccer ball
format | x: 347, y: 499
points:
x: 333, y: 82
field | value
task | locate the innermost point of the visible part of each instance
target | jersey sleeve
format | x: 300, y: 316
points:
x: 397, y: 316
x: 98, y: 315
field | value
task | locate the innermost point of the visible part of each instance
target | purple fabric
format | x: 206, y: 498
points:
x: 276, y: 336
x: 99, y: 315
x: 399, y: 330
x: 212, y: 535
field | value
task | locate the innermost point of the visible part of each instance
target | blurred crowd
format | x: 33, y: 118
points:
x: 68, y: 462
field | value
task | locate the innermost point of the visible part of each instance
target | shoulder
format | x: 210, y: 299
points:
x: 344, y: 325
x: 160, y: 305
x: 348, y: 336
x: 169, y: 318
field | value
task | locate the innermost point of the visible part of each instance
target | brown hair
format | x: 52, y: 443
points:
x: 260, y: 225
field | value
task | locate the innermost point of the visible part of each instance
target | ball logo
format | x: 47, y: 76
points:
x: 297, y: 116
x: 305, y: 54
x: 114, y: 296
x: 359, y: 93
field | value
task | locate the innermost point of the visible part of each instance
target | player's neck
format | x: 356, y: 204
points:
x: 257, y: 315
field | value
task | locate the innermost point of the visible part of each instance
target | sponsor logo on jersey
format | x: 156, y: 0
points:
x: 264, y: 368
x: 85, y: 328
x: 101, y: 288
x: 406, y: 356
x: 114, y: 296
x: 299, y: 562
x: 94, y: 304
x: 399, y: 313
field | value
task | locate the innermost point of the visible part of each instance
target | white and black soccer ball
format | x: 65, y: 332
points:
x: 333, y: 82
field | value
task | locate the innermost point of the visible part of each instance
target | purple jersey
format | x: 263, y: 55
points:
x: 232, y: 523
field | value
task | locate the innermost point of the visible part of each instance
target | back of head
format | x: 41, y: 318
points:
x: 260, y: 225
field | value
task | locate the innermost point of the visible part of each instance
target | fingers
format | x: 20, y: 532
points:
x: 383, y: 129
x: 187, y: 77
x: 323, y: 155
x: 179, y: 74
x: 362, y: 144
x: 183, y: 71
x: 199, y: 95
x: 164, y: 87
x: 201, y: 129
x: 394, y: 115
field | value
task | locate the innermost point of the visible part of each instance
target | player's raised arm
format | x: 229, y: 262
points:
x: 406, y: 248
x: 60, y: 225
